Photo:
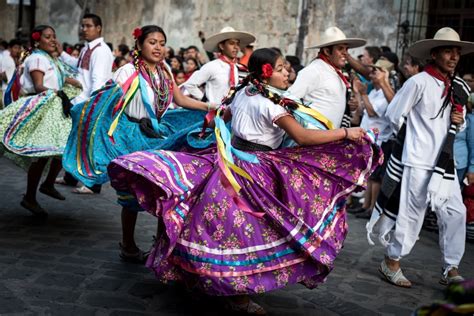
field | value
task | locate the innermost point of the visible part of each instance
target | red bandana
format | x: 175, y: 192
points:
x: 338, y: 71
x: 432, y: 71
x: 232, y: 68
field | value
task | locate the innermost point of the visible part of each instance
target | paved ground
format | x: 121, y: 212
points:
x: 69, y: 265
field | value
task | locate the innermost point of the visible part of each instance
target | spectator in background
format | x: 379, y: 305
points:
x: 370, y: 55
x: 8, y: 63
x: 393, y: 75
x: 169, y: 53
x: 3, y: 46
x: 118, y: 62
x: 193, y: 52
x: 179, y: 76
x: 190, y: 66
x: 75, y: 51
x: 176, y: 62
x: 412, y: 66
x: 248, y: 50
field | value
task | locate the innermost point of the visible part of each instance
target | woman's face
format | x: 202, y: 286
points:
x: 175, y: 64
x: 279, y: 78
x: 75, y: 53
x: 153, y: 48
x: 180, y: 78
x: 47, y: 41
x: 190, y: 65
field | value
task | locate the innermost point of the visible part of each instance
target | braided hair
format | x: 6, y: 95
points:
x: 259, y: 58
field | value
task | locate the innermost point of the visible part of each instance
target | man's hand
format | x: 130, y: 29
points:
x: 457, y: 118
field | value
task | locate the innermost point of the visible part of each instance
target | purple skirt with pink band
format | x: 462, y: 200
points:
x: 292, y: 231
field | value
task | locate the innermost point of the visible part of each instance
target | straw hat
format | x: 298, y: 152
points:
x: 444, y: 37
x: 212, y: 43
x: 334, y: 36
x: 383, y: 64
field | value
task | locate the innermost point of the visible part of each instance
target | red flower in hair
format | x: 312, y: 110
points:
x: 36, y: 36
x: 69, y: 50
x: 137, y: 33
x: 267, y: 71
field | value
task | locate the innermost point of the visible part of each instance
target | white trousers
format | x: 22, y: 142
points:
x: 413, y: 204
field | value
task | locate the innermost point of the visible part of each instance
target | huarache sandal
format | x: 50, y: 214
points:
x: 82, y: 190
x: 395, y: 277
x: 446, y: 279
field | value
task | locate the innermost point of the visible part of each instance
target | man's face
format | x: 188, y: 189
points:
x: 338, y: 55
x: 366, y: 58
x: 89, y: 30
x: 191, y: 53
x: 469, y: 78
x: 230, y: 48
x: 409, y: 69
x: 15, y: 51
x: 446, y: 58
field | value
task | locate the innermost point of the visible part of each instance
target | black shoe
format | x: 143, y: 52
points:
x: 52, y: 192
x: 356, y: 210
x: 365, y: 215
x: 36, y: 209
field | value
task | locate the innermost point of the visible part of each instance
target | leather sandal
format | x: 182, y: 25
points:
x: 52, y: 192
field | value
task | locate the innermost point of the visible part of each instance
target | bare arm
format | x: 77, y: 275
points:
x: 358, y: 66
x: 368, y: 106
x: 37, y: 77
x: 387, y: 91
x: 308, y: 137
x: 187, y: 102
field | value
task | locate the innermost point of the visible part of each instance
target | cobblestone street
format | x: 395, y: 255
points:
x: 69, y: 265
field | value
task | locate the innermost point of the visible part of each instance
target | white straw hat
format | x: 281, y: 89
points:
x: 334, y: 36
x: 444, y: 37
x: 212, y: 43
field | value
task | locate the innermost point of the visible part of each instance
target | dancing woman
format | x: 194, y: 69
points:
x: 280, y: 220
x: 36, y: 127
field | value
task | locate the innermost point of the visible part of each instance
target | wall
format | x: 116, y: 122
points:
x: 274, y: 22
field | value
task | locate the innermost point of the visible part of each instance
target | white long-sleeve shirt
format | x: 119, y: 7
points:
x: 100, y: 67
x: 215, y: 75
x: 7, y: 65
x: 320, y: 85
x: 419, y: 100
x: 379, y: 104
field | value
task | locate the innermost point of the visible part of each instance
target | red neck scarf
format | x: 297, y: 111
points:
x: 231, y: 63
x: 337, y: 70
x: 432, y: 71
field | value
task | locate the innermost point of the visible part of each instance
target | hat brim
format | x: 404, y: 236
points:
x: 422, y: 49
x: 351, y: 43
x: 212, y: 43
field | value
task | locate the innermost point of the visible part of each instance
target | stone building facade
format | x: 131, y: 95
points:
x: 288, y: 24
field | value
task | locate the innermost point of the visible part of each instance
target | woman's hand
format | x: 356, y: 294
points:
x: 355, y: 133
x: 74, y: 82
x: 359, y: 87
